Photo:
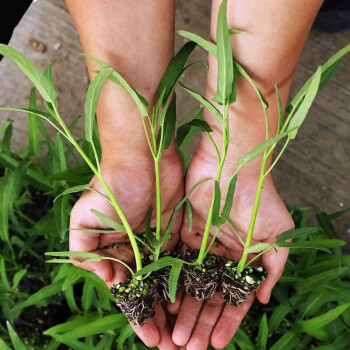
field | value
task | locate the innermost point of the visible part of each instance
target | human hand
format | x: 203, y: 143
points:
x: 213, y: 321
x: 133, y: 186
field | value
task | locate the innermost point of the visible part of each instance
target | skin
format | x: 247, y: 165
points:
x: 212, y: 321
x: 130, y: 38
x: 136, y: 39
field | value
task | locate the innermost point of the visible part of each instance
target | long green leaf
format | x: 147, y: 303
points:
x: 259, y: 247
x: 108, y: 221
x: 139, y: 100
x: 205, y: 44
x: 288, y: 341
x: 224, y: 93
x: 173, y: 279
x: 263, y: 333
x: 255, y: 152
x: 16, y: 341
x: 74, y: 189
x: 297, y: 233
x: 31, y: 71
x: 189, y: 215
x: 324, y: 319
x: 3, y: 345
x: 168, y: 126
x: 91, y: 101
x: 33, y: 126
x: 229, y: 199
x: 174, y: 70
x: 327, y: 70
x: 216, y: 205
x: 204, y: 102
x: 302, y: 111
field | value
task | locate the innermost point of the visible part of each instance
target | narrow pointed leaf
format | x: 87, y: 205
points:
x: 324, y: 319
x: 108, y: 221
x: 33, y: 126
x: 74, y: 189
x: 259, y: 247
x: 169, y: 125
x: 216, y: 204
x: 297, y: 233
x: 280, y: 110
x: 173, y: 279
x: 229, y: 198
x: 263, y: 334
x: 255, y: 152
x: 174, y: 70
x: 16, y: 341
x: 302, y: 111
x: 204, y: 102
x: 224, y: 55
x: 189, y: 214
x: 205, y: 44
x: 31, y: 71
x: 91, y: 101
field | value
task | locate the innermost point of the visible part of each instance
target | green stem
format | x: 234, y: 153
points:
x: 108, y: 191
x: 158, y: 198
x: 244, y: 257
x: 203, y: 249
x: 278, y: 157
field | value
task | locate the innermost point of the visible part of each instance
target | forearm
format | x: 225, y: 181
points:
x: 128, y: 36
x: 269, y: 53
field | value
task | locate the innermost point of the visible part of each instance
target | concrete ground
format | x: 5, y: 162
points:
x: 313, y: 172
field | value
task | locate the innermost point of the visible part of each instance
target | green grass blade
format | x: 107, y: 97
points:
x: 92, y: 98
x: 31, y: 71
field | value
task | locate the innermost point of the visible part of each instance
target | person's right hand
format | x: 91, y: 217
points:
x: 132, y: 183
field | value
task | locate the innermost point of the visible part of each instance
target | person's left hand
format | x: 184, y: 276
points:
x: 214, y: 321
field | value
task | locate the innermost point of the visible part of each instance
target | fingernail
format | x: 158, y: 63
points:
x: 100, y: 274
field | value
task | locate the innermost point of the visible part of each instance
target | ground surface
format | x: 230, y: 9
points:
x: 314, y: 170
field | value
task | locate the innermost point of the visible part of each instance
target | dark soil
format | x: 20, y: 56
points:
x: 136, y: 299
x: 202, y: 281
x: 236, y: 287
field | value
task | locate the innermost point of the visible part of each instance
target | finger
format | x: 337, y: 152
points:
x: 174, y: 308
x: 166, y: 342
x: 120, y: 274
x: 208, y: 317
x: 102, y: 269
x: 274, y: 264
x: 229, y: 322
x: 186, y: 320
x: 148, y: 333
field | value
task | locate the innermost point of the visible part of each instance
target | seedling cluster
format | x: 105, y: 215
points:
x: 202, y: 273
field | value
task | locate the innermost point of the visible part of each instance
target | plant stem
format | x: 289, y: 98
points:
x: 203, y: 249
x: 243, y: 260
x: 158, y: 198
x: 107, y: 189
